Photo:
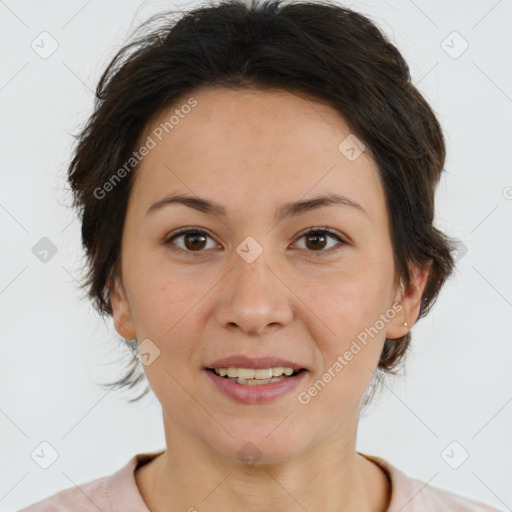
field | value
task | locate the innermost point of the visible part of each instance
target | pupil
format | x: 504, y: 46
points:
x: 316, y: 237
x: 194, y: 237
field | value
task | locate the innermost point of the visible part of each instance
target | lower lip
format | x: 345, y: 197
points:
x: 259, y: 393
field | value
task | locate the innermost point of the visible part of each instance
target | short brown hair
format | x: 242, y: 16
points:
x: 318, y: 49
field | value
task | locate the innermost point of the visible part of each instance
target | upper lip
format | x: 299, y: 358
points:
x: 241, y: 361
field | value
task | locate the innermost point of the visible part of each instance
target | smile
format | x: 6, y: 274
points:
x: 255, y: 376
x: 254, y: 386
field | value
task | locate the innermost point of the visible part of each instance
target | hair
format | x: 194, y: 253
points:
x: 317, y: 49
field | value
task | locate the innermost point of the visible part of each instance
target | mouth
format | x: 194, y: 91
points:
x: 256, y: 376
x: 252, y: 386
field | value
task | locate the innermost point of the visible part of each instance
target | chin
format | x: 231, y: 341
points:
x: 257, y: 446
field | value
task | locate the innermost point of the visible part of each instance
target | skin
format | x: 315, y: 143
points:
x: 252, y: 151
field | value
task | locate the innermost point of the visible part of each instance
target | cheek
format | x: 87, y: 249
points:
x: 344, y: 320
x: 343, y: 304
x: 162, y: 296
x: 165, y: 308
x: 166, y: 304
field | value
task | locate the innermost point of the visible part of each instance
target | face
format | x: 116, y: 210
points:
x: 248, y: 280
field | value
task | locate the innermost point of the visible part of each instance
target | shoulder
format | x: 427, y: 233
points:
x: 428, y: 498
x: 109, y: 493
x: 412, y: 495
x: 439, y: 499
x: 90, y: 496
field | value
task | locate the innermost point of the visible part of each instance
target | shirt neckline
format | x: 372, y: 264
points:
x: 125, y: 496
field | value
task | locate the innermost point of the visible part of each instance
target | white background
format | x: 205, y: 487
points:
x: 457, y: 385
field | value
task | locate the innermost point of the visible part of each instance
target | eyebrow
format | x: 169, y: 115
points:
x: 292, y: 209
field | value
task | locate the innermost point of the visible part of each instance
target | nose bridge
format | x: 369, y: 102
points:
x: 254, y: 297
x: 252, y: 279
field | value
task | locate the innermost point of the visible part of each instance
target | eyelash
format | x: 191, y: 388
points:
x: 310, y: 231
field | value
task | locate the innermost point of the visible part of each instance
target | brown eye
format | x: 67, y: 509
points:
x: 192, y: 240
x: 316, y: 240
x: 196, y: 241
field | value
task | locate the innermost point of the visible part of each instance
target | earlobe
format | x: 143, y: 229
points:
x: 410, y: 301
x: 121, y: 312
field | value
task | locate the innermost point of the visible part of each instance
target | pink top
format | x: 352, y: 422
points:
x: 119, y: 493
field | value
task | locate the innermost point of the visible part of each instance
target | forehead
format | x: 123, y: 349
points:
x: 265, y: 146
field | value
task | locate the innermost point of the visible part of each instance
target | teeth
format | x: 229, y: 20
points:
x: 262, y: 374
x: 232, y: 372
x: 249, y: 374
x: 256, y: 382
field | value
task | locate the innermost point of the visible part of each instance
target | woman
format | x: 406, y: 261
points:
x: 256, y: 187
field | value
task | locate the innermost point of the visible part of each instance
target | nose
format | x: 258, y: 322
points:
x: 254, y: 298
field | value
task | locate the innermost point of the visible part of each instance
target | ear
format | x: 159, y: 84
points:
x: 121, y: 313
x: 410, y: 300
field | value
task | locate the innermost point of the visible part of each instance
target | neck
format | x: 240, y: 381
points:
x: 188, y: 476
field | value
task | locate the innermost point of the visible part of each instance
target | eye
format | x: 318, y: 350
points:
x: 194, y: 240
x: 316, y: 239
